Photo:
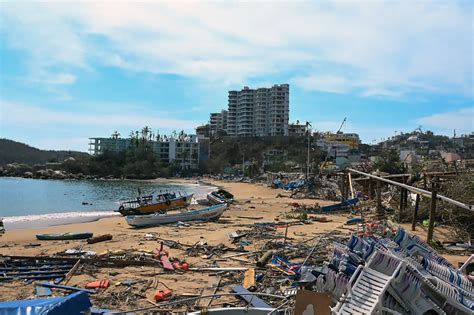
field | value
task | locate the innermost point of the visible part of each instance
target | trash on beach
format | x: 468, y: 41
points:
x: 100, y: 238
x: 98, y: 284
x: 160, y: 295
x: 30, y: 269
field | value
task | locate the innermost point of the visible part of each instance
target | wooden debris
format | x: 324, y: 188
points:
x: 100, y: 238
x: 249, y: 279
x: 265, y: 258
x: 250, y: 298
x: 214, y: 283
x: 251, y: 218
x: 63, y: 287
x: 164, y: 259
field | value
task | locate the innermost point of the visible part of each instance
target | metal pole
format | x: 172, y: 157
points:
x: 429, y: 236
x: 415, y: 212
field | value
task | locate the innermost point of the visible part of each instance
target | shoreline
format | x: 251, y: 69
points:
x: 68, y: 217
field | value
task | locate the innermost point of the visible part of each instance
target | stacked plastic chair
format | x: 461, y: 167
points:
x: 370, y: 284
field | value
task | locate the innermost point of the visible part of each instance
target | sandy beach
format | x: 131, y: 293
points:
x: 252, y: 201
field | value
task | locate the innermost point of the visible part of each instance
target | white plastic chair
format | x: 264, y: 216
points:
x: 370, y: 284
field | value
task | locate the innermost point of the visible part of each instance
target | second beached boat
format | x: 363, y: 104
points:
x: 154, y: 203
x: 207, y: 214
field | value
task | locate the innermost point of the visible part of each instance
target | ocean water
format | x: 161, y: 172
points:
x: 38, y: 203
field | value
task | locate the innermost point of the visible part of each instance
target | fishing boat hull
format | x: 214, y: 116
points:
x: 207, y: 214
x: 163, y: 206
x: 220, y: 196
x: 214, y: 200
x: 64, y: 236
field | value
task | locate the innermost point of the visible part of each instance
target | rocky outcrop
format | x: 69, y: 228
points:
x: 19, y: 170
x: 66, y: 170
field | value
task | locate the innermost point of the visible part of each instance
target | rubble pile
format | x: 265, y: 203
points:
x: 323, y: 188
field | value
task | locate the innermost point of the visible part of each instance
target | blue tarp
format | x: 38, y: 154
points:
x: 73, y: 304
x: 338, y: 206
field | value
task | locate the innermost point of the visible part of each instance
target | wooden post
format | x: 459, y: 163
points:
x: 405, y: 195
x: 402, y: 204
x: 346, y: 186
x: 415, y: 212
x: 370, y: 189
x: 379, y: 198
x: 434, y: 194
x: 342, y: 187
x: 349, y: 178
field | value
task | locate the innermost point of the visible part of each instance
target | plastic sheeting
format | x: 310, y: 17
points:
x: 76, y: 303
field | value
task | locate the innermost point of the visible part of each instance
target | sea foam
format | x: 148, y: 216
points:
x: 50, y: 219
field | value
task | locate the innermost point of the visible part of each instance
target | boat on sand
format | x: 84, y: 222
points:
x: 220, y: 196
x: 64, y: 236
x: 155, y: 203
x: 206, y: 214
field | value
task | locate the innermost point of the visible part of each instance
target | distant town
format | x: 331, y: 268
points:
x: 263, y: 113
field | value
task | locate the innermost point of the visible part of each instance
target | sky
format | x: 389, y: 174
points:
x: 71, y: 70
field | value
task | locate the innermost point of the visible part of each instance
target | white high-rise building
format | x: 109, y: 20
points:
x: 259, y: 112
x: 218, y: 121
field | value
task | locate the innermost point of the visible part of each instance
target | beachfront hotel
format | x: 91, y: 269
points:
x: 257, y: 112
x: 187, y: 151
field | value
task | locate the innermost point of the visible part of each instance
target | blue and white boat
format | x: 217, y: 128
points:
x: 207, y: 214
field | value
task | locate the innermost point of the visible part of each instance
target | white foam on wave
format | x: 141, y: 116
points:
x: 51, y: 219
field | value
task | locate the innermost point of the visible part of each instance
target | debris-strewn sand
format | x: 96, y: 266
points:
x: 253, y: 200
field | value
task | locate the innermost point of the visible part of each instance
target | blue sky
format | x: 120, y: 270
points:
x: 73, y: 70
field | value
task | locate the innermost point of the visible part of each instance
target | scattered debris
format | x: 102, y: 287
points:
x: 100, y: 238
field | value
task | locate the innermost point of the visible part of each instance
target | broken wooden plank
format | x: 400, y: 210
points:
x: 71, y: 272
x: 249, y: 279
x: 100, y: 238
x: 251, y: 218
x: 214, y: 283
x: 251, y: 298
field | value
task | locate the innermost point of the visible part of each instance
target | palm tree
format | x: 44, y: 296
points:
x: 132, y: 137
x: 145, y: 132
x: 184, y: 156
x: 115, y: 135
x: 137, y: 136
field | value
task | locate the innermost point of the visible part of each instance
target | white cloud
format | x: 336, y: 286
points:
x: 14, y: 114
x: 461, y: 120
x: 388, y: 48
x: 61, y: 78
x: 325, y: 83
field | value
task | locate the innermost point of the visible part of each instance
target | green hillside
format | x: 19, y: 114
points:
x: 13, y: 151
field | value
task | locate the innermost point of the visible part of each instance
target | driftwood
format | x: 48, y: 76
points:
x: 100, y: 238
x: 265, y: 258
